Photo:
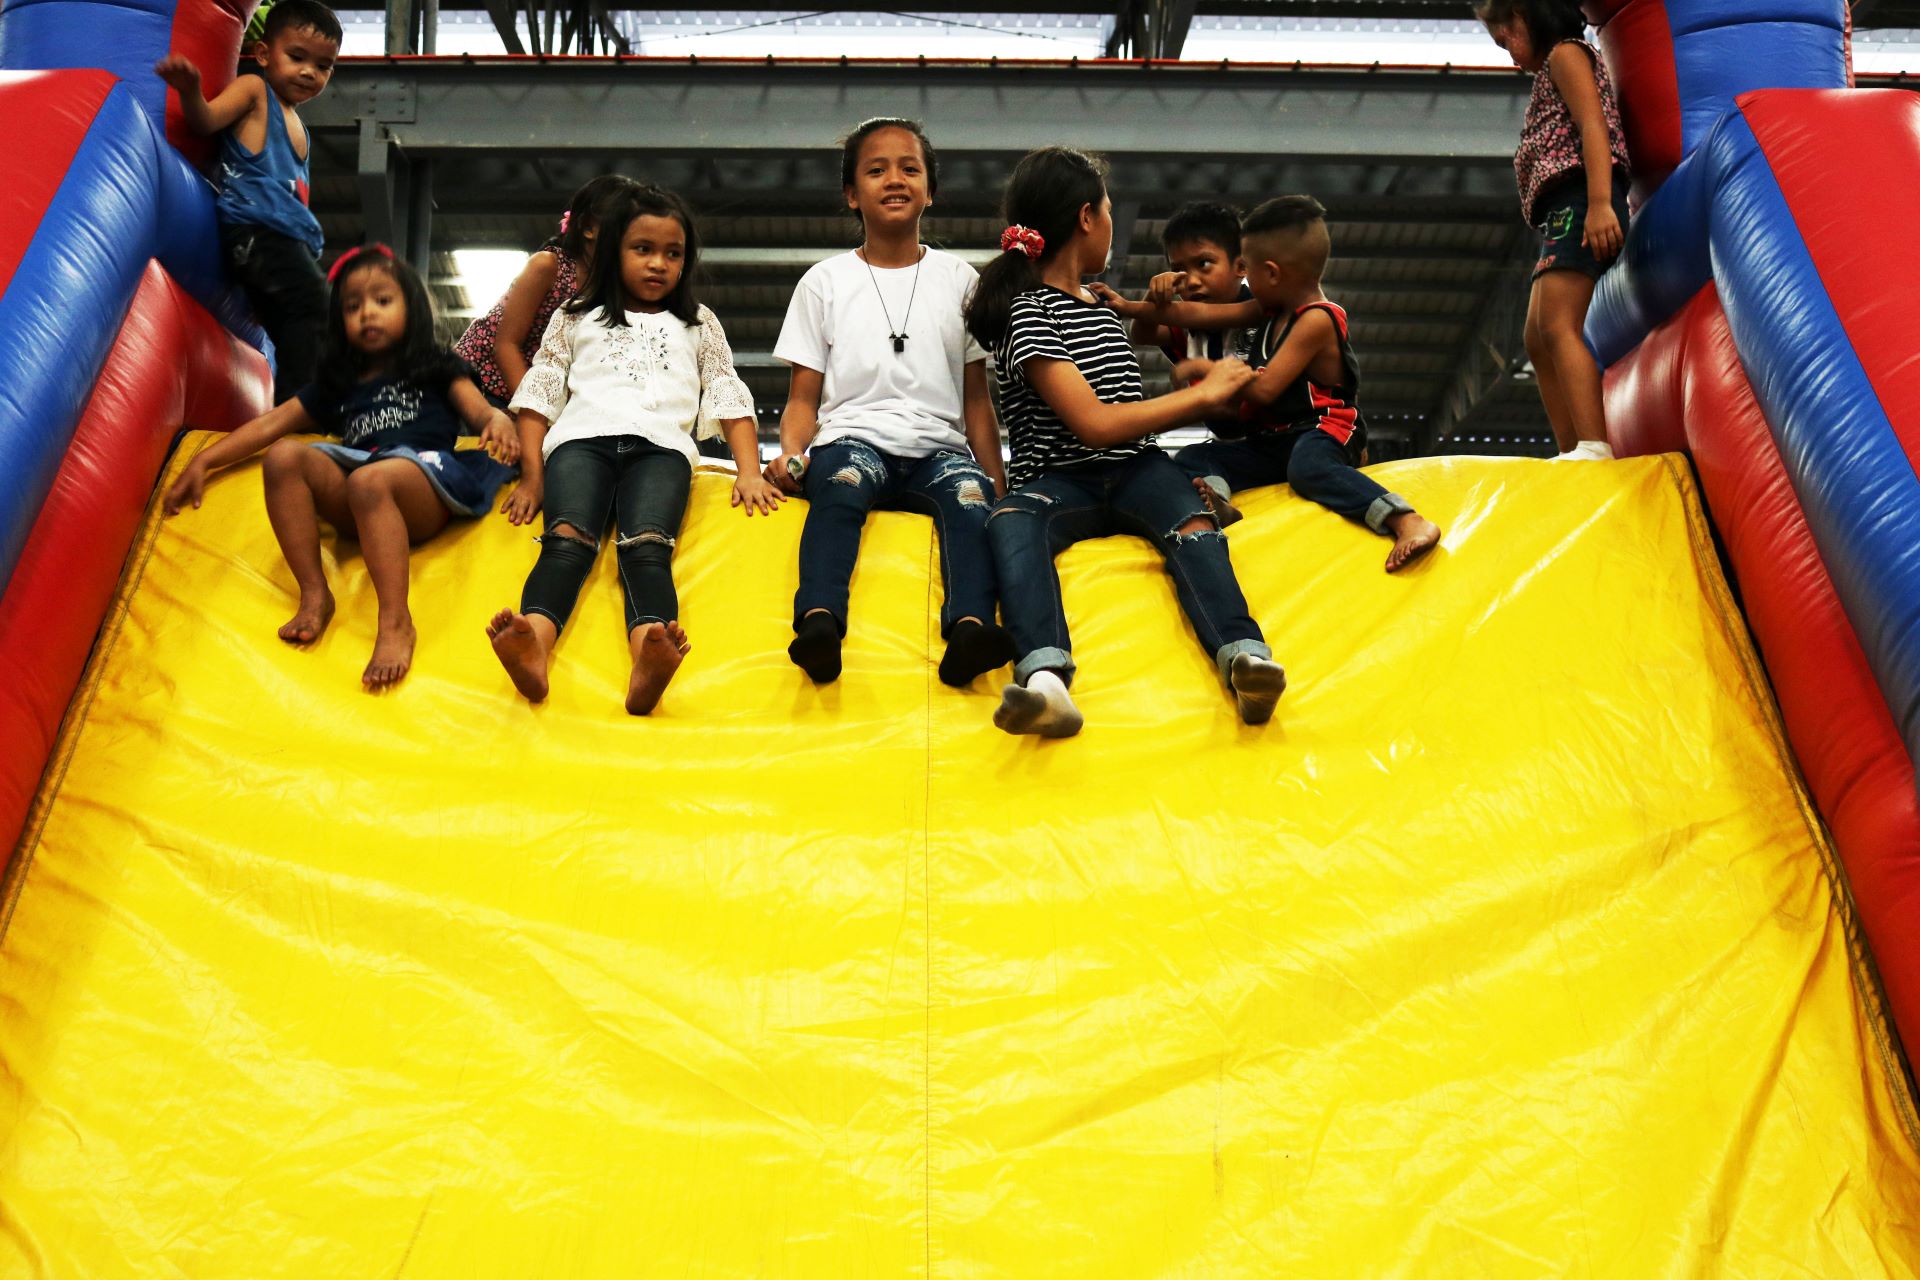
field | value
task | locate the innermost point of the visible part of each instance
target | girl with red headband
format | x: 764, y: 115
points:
x: 1084, y: 461
x: 398, y: 401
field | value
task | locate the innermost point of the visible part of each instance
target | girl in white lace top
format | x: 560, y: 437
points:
x: 628, y: 373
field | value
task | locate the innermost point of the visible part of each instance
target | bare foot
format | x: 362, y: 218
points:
x: 392, y: 655
x: 520, y: 652
x: 1413, y: 536
x: 310, y: 619
x: 658, y: 653
x: 1224, y: 512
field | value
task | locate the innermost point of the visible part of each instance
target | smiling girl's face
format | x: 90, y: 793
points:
x: 653, y: 253
x: 889, y: 180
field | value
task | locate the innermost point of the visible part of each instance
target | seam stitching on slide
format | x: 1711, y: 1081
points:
x: 74, y: 722
x: 1862, y: 968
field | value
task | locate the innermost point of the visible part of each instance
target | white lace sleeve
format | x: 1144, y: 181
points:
x: 544, y: 389
x: 722, y: 394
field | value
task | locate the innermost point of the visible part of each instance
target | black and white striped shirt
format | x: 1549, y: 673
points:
x: 1050, y: 324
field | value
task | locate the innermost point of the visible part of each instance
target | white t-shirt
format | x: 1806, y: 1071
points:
x: 907, y: 402
x: 655, y: 377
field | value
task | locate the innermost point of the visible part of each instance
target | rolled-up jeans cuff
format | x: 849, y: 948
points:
x: 1383, y: 508
x: 1045, y: 660
x: 1233, y: 649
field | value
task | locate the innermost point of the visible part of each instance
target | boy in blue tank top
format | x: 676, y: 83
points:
x: 271, y: 239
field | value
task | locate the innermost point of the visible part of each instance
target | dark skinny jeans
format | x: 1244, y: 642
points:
x: 645, y: 488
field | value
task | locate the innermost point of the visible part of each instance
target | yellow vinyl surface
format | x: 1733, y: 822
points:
x: 1508, y: 949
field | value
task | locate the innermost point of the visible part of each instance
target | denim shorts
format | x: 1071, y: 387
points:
x: 465, y: 479
x: 1560, y: 216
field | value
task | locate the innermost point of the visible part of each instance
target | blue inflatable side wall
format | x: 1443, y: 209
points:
x: 127, y: 198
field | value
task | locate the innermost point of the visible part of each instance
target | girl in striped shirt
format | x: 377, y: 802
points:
x: 1084, y: 463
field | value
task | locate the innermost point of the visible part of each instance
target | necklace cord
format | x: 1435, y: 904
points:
x: 898, y: 339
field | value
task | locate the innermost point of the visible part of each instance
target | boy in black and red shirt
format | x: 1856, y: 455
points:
x: 1299, y: 420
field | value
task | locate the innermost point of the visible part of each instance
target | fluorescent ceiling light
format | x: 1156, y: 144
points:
x: 485, y: 275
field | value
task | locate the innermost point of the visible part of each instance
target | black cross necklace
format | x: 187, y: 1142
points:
x: 899, y: 339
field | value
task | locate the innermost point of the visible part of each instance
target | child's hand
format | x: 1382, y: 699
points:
x: 187, y: 490
x: 1225, y: 380
x: 1603, y: 235
x: 1165, y: 288
x: 756, y: 492
x: 1119, y: 303
x: 780, y: 475
x: 1188, y: 372
x: 181, y: 74
x: 501, y: 439
x: 523, y: 504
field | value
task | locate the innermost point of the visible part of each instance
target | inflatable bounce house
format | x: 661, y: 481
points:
x: 1559, y: 924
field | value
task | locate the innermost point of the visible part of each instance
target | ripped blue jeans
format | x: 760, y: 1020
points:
x: 644, y: 489
x: 1146, y: 496
x: 848, y: 478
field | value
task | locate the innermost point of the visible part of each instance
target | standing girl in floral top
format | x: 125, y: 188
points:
x: 500, y: 345
x: 1572, y: 170
x: 628, y: 373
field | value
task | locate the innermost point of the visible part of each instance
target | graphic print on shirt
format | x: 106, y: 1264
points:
x: 641, y: 352
x: 395, y: 406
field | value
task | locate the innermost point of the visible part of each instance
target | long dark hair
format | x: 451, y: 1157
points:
x: 603, y: 289
x: 850, y: 152
x: 420, y: 357
x: 1045, y: 193
x: 1548, y: 21
x: 587, y: 209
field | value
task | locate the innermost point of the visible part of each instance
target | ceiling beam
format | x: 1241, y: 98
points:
x: 750, y: 107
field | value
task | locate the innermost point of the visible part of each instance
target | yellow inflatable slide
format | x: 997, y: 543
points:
x: 1510, y: 948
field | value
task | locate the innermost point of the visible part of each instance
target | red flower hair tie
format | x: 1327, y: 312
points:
x: 1025, y: 239
x: 340, y: 263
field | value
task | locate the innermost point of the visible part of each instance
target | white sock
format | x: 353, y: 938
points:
x: 1588, y: 451
x: 1041, y: 707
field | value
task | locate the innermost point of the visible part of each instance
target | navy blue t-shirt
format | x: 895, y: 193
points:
x: 385, y: 413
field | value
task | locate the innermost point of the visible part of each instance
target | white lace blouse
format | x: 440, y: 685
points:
x: 656, y: 377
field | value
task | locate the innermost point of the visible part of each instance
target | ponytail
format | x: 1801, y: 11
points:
x: 1043, y: 199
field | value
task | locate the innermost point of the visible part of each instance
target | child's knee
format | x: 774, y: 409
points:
x: 1195, y: 525
x: 369, y: 487
x: 1536, y: 337
x: 561, y: 531
x: 284, y: 458
x: 1020, y: 513
x: 650, y: 546
x: 565, y: 548
x: 967, y: 482
x: 382, y: 484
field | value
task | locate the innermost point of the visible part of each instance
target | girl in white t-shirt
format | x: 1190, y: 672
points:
x: 888, y: 396
x: 629, y: 371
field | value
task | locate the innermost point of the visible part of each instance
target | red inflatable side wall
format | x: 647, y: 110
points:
x: 1684, y: 389
x: 1637, y: 42
x: 172, y: 363
x: 209, y: 34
